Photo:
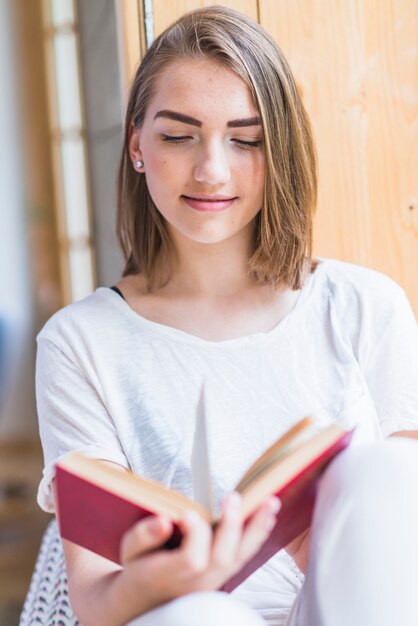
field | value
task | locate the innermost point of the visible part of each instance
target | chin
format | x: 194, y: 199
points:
x: 209, y: 238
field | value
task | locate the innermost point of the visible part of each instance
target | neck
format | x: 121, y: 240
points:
x: 211, y: 270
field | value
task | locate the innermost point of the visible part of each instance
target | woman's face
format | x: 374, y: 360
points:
x: 201, y: 143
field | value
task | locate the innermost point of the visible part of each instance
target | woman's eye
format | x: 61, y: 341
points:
x: 248, y: 145
x: 174, y: 139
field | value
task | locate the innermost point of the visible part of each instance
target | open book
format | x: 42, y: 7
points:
x: 97, y: 504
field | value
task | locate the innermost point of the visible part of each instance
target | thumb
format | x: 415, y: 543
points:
x: 145, y: 536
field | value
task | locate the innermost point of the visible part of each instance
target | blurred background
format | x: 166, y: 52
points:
x: 65, y: 68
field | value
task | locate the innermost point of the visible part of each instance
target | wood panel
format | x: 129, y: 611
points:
x: 39, y: 189
x: 166, y: 11
x: 356, y: 64
x: 131, y: 42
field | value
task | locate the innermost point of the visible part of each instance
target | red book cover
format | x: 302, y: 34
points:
x: 96, y: 518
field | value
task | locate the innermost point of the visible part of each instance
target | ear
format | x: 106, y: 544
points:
x: 135, y: 151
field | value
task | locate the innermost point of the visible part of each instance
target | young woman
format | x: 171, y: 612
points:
x: 217, y: 188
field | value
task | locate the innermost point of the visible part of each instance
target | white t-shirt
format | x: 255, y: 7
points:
x: 117, y: 386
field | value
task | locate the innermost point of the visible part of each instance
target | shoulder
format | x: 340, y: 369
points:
x: 79, y: 318
x: 360, y: 303
x: 347, y: 283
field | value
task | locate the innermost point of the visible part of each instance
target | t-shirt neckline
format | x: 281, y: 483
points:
x: 185, y: 337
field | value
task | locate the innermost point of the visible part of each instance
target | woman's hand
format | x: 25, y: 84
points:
x: 205, y: 560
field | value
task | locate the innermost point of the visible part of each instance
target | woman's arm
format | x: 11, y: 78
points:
x: 91, y: 583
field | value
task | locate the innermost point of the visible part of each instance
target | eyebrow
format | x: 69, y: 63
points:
x: 246, y: 121
x: 187, y: 119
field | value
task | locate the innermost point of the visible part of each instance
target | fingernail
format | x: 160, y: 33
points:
x: 154, y: 525
x: 191, y: 517
x: 234, y: 500
x: 274, y: 504
x: 270, y: 522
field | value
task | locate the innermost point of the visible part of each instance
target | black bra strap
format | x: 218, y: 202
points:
x: 118, y: 291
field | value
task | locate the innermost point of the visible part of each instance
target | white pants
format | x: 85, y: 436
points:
x: 363, y: 566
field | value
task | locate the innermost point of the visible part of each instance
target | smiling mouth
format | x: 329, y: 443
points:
x: 209, y: 203
x: 211, y: 198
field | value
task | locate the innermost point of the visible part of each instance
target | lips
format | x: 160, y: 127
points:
x: 209, y: 203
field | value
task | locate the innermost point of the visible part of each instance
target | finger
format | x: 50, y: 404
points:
x: 258, y: 529
x: 193, y: 554
x: 147, y: 535
x: 228, y: 533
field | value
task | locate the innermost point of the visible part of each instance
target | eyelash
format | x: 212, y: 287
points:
x: 171, y: 139
x: 245, y: 145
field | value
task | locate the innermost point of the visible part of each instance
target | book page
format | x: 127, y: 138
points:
x: 201, y: 477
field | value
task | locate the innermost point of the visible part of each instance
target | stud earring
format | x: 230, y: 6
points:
x: 139, y: 164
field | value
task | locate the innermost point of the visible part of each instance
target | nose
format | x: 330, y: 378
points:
x: 212, y: 166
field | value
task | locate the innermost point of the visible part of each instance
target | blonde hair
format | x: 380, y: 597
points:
x: 283, y: 244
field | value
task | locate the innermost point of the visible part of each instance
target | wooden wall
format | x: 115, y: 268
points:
x: 356, y: 64
x: 38, y: 172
